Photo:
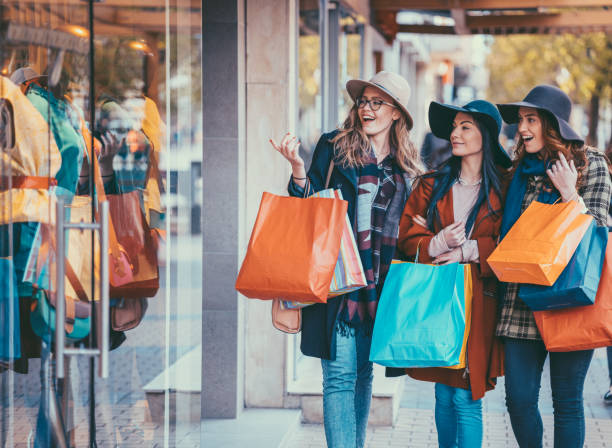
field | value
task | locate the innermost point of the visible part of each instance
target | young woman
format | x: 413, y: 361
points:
x: 374, y: 163
x: 607, y: 398
x: 551, y: 163
x: 454, y: 216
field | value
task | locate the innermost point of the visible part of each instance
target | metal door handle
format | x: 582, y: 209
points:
x: 103, y: 322
x: 60, y: 304
x: 104, y: 326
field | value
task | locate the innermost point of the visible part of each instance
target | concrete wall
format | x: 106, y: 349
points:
x: 270, y: 74
x: 223, y: 174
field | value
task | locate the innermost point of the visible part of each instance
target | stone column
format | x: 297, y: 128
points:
x: 223, y: 173
x: 270, y: 91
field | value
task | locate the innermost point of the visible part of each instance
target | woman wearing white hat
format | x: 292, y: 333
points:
x: 373, y: 163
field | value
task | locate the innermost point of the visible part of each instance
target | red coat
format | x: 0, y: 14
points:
x: 485, y: 350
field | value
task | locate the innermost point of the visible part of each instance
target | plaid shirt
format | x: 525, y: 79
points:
x: 516, y: 319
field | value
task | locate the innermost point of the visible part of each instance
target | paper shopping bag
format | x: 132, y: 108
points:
x: 584, y: 327
x: 577, y: 285
x: 422, y: 318
x: 293, y: 249
x: 540, y: 243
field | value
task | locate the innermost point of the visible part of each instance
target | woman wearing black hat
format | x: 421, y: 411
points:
x: 454, y: 215
x: 373, y: 162
x: 551, y: 163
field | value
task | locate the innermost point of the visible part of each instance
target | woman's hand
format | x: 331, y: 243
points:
x: 110, y: 147
x: 289, y: 148
x: 418, y: 219
x: 452, y: 256
x: 563, y: 176
x: 454, y: 235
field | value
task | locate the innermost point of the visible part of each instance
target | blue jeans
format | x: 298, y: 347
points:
x: 609, y: 353
x: 524, y: 364
x: 347, y: 391
x: 458, y: 418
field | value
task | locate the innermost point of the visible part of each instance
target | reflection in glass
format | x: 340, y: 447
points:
x: 349, y: 60
x: 142, y: 127
x: 309, y: 78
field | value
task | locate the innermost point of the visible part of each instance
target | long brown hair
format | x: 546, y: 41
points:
x: 352, y: 145
x: 553, y: 145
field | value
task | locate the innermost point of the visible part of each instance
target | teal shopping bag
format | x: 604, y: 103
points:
x: 578, y: 283
x: 421, y: 317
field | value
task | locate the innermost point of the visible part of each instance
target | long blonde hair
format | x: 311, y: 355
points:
x: 352, y: 145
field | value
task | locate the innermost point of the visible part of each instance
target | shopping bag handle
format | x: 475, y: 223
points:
x: 101, y: 196
x: 416, y: 257
x: 306, y: 188
x: 327, y: 179
x: 329, y: 173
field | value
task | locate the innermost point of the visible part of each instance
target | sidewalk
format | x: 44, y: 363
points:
x: 415, y: 426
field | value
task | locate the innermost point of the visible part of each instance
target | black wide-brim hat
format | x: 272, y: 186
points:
x: 551, y: 100
x: 441, y: 118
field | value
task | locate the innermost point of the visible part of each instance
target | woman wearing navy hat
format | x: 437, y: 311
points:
x: 372, y: 161
x: 454, y: 216
x: 552, y: 162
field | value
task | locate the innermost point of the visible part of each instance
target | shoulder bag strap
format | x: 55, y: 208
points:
x: 329, y: 173
x: 113, y: 244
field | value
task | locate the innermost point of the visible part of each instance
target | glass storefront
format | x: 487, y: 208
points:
x: 100, y: 103
x: 349, y: 59
x: 309, y: 77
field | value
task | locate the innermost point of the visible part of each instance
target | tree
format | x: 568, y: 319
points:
x: 578, y: 64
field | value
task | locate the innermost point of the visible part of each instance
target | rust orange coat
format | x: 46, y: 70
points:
x: 485, y: 350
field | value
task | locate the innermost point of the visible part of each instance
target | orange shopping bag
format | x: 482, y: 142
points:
x: 584, y: 327
x: 540, y: 243
x: 293, y: 248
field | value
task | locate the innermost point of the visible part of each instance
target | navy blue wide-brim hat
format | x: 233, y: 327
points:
x: 549, y: 99
x: 441, y: 118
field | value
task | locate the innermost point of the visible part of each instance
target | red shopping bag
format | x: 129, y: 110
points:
x: 293, y: 248
x: 134, y: 235
x: 584, y: 327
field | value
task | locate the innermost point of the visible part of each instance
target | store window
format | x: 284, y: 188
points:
x: 349, y: 59
x: 118, y: 83
x: 309, y: 77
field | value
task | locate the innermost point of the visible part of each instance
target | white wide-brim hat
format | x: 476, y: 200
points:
x: 25, y: 74
x: 390, y: 83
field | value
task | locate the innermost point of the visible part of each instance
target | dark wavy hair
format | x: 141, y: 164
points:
x: 448, y: 174
x: 554, y: 144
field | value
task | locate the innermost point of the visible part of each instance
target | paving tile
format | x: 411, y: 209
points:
x: 415, y: 426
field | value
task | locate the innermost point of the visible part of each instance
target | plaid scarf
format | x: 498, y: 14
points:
x: 382, y: 191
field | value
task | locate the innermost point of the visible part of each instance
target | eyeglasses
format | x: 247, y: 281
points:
x: 374, y: 103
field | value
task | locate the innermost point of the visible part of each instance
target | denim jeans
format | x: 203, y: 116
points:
x: 609, y: 353
x: 524, y: 364
x: 347, y: 390
x: 458, y: 418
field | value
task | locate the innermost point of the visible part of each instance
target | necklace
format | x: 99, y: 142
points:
x: 462, y: 181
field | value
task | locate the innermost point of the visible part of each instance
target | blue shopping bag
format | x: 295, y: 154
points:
x: 577, y: 285
x: 421, y: 317
x: 10, y: 330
